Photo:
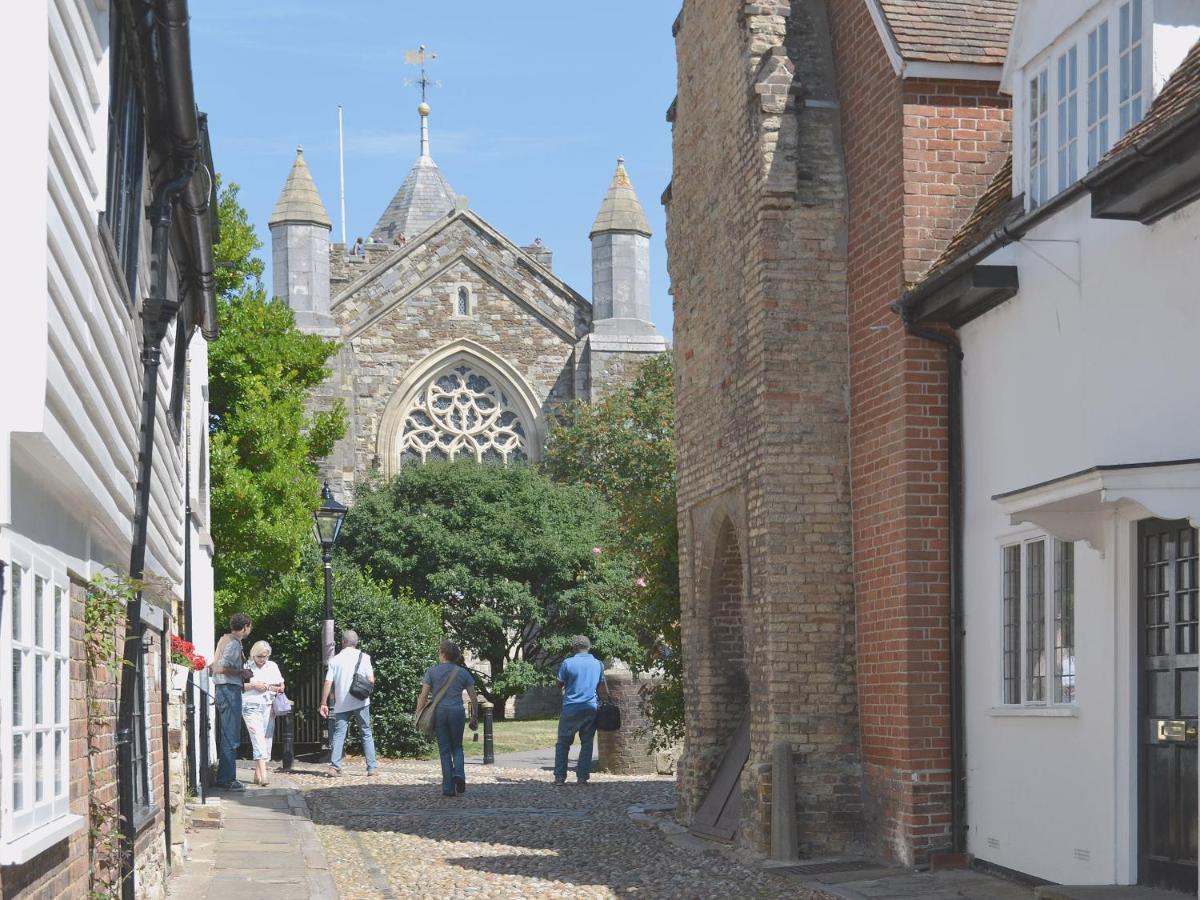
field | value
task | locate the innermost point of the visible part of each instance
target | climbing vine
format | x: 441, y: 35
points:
x: 104, y: 611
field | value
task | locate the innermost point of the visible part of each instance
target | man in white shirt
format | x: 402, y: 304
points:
x: 346, y: 706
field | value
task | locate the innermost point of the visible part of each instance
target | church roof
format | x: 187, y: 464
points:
x: 299, y: 201
x: 620, y: 210
x: 423, y: 198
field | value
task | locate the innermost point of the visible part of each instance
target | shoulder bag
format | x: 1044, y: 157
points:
x: 425, y: 713
x: 608, y: 715
x: 360, y: 685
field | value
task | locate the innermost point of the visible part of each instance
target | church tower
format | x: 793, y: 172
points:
x: 423, y: 198
x: 300, y: 229
x: 621, y: 327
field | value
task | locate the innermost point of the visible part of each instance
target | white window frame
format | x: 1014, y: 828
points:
x: 1131, y: 64
x: 1099, y: 92
x: 38, y: 823
x: 1051, y: 700
x: 1037, y: 143
x: 1066, y: 84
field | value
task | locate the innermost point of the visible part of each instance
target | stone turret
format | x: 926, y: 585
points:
x: 621, y: 328
x: 300, y: 229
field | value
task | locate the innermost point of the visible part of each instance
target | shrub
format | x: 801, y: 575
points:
x: 400, y: 634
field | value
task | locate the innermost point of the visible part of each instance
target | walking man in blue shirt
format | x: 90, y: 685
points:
x: 578, y: 677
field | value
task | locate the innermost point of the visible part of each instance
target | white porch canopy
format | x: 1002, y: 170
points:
x: 1078, y: 507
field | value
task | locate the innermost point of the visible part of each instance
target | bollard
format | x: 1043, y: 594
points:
x: 489, y: 748
x: 288, y: 722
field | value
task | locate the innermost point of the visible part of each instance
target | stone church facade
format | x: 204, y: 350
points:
x: 454, y: 340
x: 825, y: 152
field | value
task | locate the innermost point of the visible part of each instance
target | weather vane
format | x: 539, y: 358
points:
x: 419, y: 57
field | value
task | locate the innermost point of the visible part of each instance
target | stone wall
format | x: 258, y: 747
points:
x: 393, y: 316
x: 756, y: 249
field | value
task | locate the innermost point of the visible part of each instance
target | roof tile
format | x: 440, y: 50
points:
x: 963, y: 31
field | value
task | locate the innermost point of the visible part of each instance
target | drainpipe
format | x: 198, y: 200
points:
x: 190, y: 704
x: 958, y: 739
x: 164, y: 692
x: 157, y: 314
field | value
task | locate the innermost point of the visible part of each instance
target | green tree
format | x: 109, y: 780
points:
x: 515, y: 562
x: 264, y: 441
x: 623, y: 447
x: 400, y: 633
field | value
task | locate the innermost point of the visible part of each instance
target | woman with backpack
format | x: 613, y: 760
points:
x: 440, y: 712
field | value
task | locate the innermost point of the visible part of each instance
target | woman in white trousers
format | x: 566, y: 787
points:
x: 258, y: 695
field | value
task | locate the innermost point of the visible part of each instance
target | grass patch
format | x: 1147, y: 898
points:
x: 511, y: 737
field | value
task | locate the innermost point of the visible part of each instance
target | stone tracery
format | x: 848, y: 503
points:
x: 461, y: 412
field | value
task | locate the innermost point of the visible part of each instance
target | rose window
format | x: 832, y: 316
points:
x: 462, y: 413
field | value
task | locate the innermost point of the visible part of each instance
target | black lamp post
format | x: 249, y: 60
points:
x: 327, y: 526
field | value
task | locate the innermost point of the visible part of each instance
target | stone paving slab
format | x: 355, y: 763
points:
x: 1094, y: 892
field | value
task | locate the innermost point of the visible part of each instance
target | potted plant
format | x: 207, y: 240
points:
x: 184, y: 659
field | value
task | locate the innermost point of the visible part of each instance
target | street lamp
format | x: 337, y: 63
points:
x: 327, y: 527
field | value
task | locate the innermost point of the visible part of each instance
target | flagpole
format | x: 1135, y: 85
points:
x: 342, y: 172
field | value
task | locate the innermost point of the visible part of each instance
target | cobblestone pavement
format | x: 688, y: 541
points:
x: 512, y: 835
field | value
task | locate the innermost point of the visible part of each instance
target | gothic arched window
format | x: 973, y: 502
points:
x: 463, y: 303
x: 462, y: 412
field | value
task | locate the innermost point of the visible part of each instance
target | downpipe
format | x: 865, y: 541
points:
x: 157, y: 314
x: 958, y: 738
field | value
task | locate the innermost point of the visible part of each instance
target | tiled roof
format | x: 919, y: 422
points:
x: 1179, y: 95
x: 995, y: 207
x: 962, y: 31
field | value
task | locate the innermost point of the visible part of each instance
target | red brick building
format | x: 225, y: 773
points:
x: 825, y: 153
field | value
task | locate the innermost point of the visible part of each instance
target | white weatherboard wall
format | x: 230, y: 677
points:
x: 1094, y: 362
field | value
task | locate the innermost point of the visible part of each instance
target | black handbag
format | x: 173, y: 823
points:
x: 608, y: 716
x: 360, y: 686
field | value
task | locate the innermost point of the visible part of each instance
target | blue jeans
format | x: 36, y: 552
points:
x: 229, y: 723
x: 340, y: 722
x: 448, y: 723
x: 578, y: 718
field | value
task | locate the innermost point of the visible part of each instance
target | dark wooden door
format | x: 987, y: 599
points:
x: 1168, y: 619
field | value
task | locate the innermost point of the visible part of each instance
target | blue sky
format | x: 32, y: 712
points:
x: 536, y: 103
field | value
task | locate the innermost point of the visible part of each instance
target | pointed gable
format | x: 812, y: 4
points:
x: 299, y: 202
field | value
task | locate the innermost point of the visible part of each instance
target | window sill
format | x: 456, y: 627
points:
x: 1052, y: 712
x: 143, y: 816
x: 41, y: 838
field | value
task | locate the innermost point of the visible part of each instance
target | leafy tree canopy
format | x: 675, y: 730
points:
x: 516, y: 563
x: 264, y: 441
x: 623, y: 447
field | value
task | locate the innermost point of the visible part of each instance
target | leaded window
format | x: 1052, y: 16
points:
x: 462, y: 412
x: 462, y: 302
x: 1038, y: 622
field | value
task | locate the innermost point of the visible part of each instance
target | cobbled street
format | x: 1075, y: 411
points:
x: 512, y: 834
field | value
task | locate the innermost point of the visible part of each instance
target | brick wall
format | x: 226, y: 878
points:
x: 756, y: 253
x: 918, y: 155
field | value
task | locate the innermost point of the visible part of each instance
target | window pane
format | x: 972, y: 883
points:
x: 1064, y: 622
x: 60, y: 763
x: 16, y: 602
x: 1035, y: 621
x: 39, y: 768
x: 58, y: 619
x: 18, y: 698
x: 59, y: 665
x: 39, y: 609
x: 39, y: 681
x: 18, y: 771
x: 1012, y: 624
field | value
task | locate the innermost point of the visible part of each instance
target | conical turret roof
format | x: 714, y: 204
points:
x: 299, y: 201
x: 621, y: 210
x: 423, y: 198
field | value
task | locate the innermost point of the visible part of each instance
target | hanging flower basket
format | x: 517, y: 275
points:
x: 184, y: 659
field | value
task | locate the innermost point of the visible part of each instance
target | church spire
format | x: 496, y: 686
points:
x: 423, y: 112
x: 299, y: 201
x: 621, y: 209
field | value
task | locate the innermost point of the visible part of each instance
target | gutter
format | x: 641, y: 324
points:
x: 183, y: 145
